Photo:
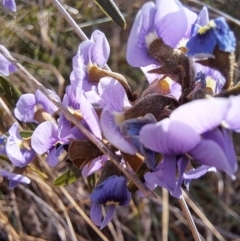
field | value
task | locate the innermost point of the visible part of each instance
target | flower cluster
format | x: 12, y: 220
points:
x: 177, y: 130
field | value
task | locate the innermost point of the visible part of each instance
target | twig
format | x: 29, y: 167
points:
x: 202, y: 216
x: 101, y: 146
x: 188, y: 215
x: 165, y: 214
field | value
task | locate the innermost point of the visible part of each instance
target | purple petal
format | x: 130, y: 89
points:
x: 198, y: 172
x: 170, y: 18
x: 100, y: 50
x: 52, y: 158
x: 182, y: 164
x: 151, y: 76
x: 109, y: 216
x: 96, y: 213
x: 94, y: 166
x: 112, y: 133
x: 191, y: 18
x: 209, y: 153
x: 45, y: 103
x: 203, y: 17
x: 44, y: 137
x: 15, y: 179
x: 113, y: 94
x: 6, y: 68
x: 10, y: 4
x: 90, y: 116
x: 202, y: 115
x: 223, y: 138
x: 232, y: 119
x: 167, y: 137
x: 18, y: 155
x: 25, y: 108
x: 169, y: 173
x: 137, y: 51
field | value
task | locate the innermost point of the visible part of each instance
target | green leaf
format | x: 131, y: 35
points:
x: 70, y: 176
x: 26, y: 134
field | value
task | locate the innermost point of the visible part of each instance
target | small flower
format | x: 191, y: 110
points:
x: 10, y: 4
x: 112, y: 192
x: 154, y: 21
x: 35, y: 107
x: 93, y: 51
x: 19, y: 150
x: 15, y: 179
x: 206, y: 38
x: 6, y: 68
x: 44, y: 139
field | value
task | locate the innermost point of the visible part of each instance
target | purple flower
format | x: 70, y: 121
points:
x: 93, y: 51
x: 10, y: 4
x: 6, y: 68
x: 153, y: 21
x: 192, y: 131
x: 15, y: 179
x: 210, y: 78
x: 82, y: 110
x: 44, y: 139
x: 112, y: 192
x: 206, y: 38
x: 18, y: 150
x: 34, y: 107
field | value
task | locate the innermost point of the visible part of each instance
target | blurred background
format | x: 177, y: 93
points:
x: 45, y: 44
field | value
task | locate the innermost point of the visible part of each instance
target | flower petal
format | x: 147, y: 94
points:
x: 96, y: 213
x: 113, y: 94
x: 112, y: 133
x: 44, y: 137
x: 209, y: 153
x: 202, y: 115
x: 25, y: 108
x: 198, y: 172
x: 10, y: 4
x: 100, y: 50
x: 109, y: 216
x: 167, y: 137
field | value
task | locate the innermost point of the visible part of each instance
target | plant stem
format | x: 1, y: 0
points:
x: 189, y: 218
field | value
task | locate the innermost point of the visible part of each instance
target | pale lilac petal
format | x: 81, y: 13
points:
x: 167, y: 137
x: 14, y: 178
x: 100, y: 50
x: 182, y: 164
x: 112, y: 133
x: 10, y: 4
x: 170, y: 18
x: 232, y: 119
x: 90, y: 116
x: 44, y: 137
x: 202, y: 115
x: 45, y: 103
x: 25, y: 108
x: 96, y: 213
x: 198, y: 172
x: 6, y: 68
x: 94, y: 166
x: 109, y: 216
x: 20, y: 157
x: 191, y: 19
x: 137, y: 51
x: 223, y: 138
x: 209, y: 153
x: 113, y: 94
x: 203, y: 17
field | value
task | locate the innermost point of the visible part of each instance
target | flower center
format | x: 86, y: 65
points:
x: 204, y: 29
x: 150, y: 37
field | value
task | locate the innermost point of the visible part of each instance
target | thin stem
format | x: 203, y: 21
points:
x: 189, y: 218
x: 102, y: 147
x: 72, y: 23
x: 70, y: 20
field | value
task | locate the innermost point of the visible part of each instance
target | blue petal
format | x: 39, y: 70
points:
x: 109, y: 216
x: 96, y: 213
